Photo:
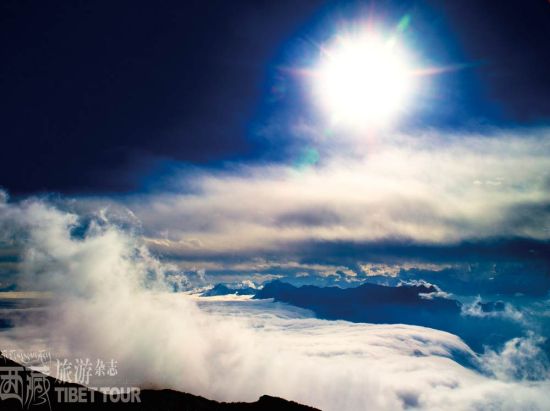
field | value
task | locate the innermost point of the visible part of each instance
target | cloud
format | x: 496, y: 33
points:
x: 3, y: 196
x: 393, y: 270
x: 111, y: 300
x: 426, y: 189
x: 520, y: 358
x: 381, y: 204
x: 368, y: 205
x: 492, y: 309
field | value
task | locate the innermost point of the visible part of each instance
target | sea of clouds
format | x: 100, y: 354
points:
x: 108, y: 296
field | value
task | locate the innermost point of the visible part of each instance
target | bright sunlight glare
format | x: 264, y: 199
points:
x: 363, y: 80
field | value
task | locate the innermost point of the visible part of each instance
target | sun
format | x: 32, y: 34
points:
x: 363, y: 80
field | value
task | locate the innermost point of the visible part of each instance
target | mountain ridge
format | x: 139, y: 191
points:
x: 150, y: 400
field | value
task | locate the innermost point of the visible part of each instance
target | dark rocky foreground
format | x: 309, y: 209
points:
x: 24, y: 389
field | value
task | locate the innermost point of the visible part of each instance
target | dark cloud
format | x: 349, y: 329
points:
x: 309, y: 217
x: 498, y: 250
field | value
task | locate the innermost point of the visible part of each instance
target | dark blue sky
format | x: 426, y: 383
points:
x: 100, y: 96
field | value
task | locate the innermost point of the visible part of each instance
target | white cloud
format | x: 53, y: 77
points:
x: 428, y: 188
x: 393, y: 270
x: 520, y: 358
